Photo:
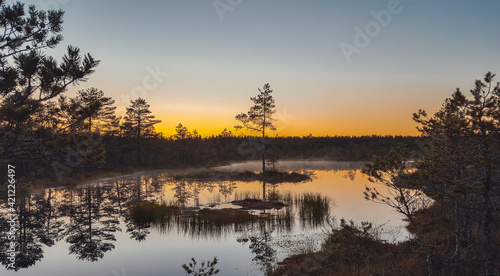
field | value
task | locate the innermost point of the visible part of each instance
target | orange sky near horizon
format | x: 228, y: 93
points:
x: 383, y: 111
x: 392, y: 123
x: 199, y: 68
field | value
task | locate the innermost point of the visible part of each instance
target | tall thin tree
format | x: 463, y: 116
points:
x: 181, y: 135
x: 260, y: 117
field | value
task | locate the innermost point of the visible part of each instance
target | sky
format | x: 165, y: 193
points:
x: 335, y: 67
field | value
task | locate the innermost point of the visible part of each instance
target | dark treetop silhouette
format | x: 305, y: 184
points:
x: 29, y: 78
x: 260, y: 117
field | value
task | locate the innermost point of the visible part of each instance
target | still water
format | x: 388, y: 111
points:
x: 88, y: 230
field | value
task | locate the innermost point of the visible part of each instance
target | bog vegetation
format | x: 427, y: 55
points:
x: 448, y: 190
x: 449, y: 197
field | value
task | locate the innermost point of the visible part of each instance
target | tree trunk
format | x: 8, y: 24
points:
x: 264, y: 159
x: 487, y: 218
x: 89, y: 206
x: 458, y: 232
x: 487, y: 222
x: 264, y: 139
x: 139, y: 140
x: 263, y: 190
x: 428, y: 253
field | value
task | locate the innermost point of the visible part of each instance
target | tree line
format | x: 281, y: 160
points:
x: 46, y: 133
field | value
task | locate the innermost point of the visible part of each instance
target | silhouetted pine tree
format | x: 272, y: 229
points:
x: 29, y: 79
x: 260, y: 117
x: 139, y: 122
x: 96, y: 111
x: 462, y: 169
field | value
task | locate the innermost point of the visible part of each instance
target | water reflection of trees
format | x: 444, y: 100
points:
x: 52, y: 226
x: 189, y: 191
x: 29, y: 245
x: 92, y: 225
x: 182, y: 193
x: 226, y: 189
x: 92, y: 214
x: 351, y: 174
x: 260, y: 246
x: 88, y: 217
x: 142, y: 188
x: 39, y: 221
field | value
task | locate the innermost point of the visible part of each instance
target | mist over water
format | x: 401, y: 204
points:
x: 294, y: 165
x: 103, y: 206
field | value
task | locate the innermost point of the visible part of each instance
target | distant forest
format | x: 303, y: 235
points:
x: 90, y: 151
x: 46, y: 133
x: 212, y: 150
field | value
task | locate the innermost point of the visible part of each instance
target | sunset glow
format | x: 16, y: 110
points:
x: 249, y: 137
x: 199, y: 65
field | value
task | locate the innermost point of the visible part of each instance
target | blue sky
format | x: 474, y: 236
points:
x: 211, y: 61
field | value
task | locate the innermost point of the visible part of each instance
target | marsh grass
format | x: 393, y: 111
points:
x: 149, y: 212
x: 287, y: 198
x: 216, y: 198
x: 247, y: 195
x: 308, y: 209
x: 314, y: 209
x: 284, y: 218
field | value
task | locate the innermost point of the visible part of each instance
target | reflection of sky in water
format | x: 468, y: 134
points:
x: 163, y: 253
